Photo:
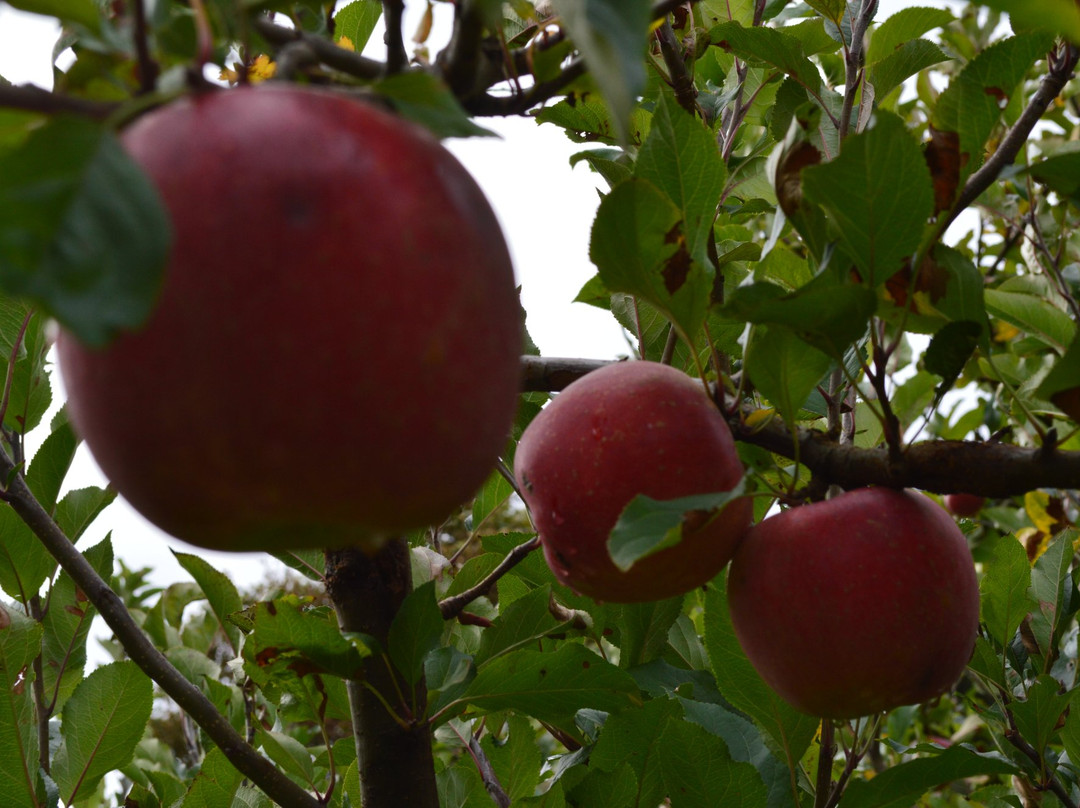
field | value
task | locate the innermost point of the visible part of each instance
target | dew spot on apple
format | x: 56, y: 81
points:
x: 557, y: 518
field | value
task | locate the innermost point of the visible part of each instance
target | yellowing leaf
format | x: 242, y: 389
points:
x: 1035, y: 542
x: 1003, y: 331
x: 345, y: 44
x: 759, y: 418
x: 263, y: 69
x: 1036, y: 503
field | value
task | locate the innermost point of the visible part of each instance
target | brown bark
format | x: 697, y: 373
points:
x: 394, y: 754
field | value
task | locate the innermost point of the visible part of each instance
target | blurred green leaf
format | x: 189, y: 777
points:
x: 220, y: 593
x: 518, y: 625
x: 643, y: 629
x: 1055, y: 16
x: 1003, y: 589
x: 80, y: 12
x: 303, y: 640
x: 784, y: 367
x: 903, y: 63
x: 1037, y: 714
x: 84, y: 233
x: 1033, y: 315
x: 630, y: 737
x: 216, y: 783
x: 699, y: 772
x: 611, y: 36
x: 903, y: 26
x: 424, y: 99
x: 768, y: 45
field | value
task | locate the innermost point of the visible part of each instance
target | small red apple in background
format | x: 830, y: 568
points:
x: 857, y: 604
x: 336, y: 352
x: 964, y: 504
x: 627, y: 429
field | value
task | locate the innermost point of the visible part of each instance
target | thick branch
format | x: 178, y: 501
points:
x: 153, y: 663
x: 943, y: 467
x: 1061, y: 70
x: 461, y: 59
x: 34, y: 99
x: 326, y: 51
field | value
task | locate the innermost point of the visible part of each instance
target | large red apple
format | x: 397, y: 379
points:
x: 335, y: 354
x: 627, y: 429
x: 857, y: 604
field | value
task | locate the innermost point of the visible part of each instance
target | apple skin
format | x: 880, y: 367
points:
x: 964, y: 504
x: 857, y: 604
x: 626, y: 429
x: 335, y: 354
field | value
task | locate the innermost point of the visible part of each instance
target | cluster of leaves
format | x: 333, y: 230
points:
x: 780, y: 179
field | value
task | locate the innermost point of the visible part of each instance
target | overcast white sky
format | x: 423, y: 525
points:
x: 546, y: 209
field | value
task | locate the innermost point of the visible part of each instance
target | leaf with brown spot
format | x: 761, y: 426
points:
x: 945, y: 161
x: 677, y: 267
x: 789, y: 175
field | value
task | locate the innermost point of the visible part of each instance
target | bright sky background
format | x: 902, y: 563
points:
x: 546, y: 209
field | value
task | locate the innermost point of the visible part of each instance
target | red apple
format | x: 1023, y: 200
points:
x: 627, y: 429
x: 335, y: 354
x: 857, y: 604
x: 964, y: 504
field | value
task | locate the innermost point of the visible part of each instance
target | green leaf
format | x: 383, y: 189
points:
x: 907, y: 60
x: 611, y: 36
x: 643, y: 629
x: 972, y: 103
x: 80, y: 12
x: 681, y: 158
x: 1003, y: 589
x: 1070, y: 734
x: 638, y: 244
x: 551, y: 686
x: 768, y: 45
x: 903, y: 26
x: 67, y: 625
x: 745, y: 743
x: 51, y: 463
x: 1055, y: 16
x: 102, y: 723
x: 517, y: 759
x: 647, y: 526
x: 901, y: 785
x: 220, y: 593
x: 78, y: 508
x: 879, y: 193
x: 289, y: 754
x: 520, y: 624
x: 423, y: 98
x: 20, y: 644
x: 495, y: 492
x: 1048, y: 577
x: 699, y: 772
x: 303, y: 640
x: 784, y: 368
x: 415, y: 632
x: 828, y: 315
x: 357, y: 20
x: 1037, y: 714
x: 617, y: 789
x: 587, y: 119
x: 24, y: 561
x: 631, y: 737
x: 84, y: 233
x: 1033, y: 315
x: 216, y: 783
x: 741, y: 685
x: 950, y: 349
x: 31, y: 391
x: 460, y: 786
x: 1063, y: 377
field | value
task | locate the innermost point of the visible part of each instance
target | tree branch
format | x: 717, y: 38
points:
x: 275, y: 784
x: 451, y: 607
x: 992, y: 470
x: 326, y: 51
x: 460, y: 60
x: 397, y: 59
x: 1062, y: 65
x: 34, y: 99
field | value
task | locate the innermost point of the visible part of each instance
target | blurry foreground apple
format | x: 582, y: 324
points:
x: 964, y: 504
x: 627, y: 429
x: 858, y: 604
x: 335, y: 354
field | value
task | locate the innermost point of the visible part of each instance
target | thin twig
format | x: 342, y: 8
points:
x: 275, y: 784
x: 328, y: 53
x: 451, y: 607
x: 148, y: 68
x: 1049, y: 780
x: 679, y: 75
x: 1061, y: 70
x: 487, y: 773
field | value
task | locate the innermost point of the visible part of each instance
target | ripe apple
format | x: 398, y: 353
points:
x: 857, y: 604
x: 335, y: 354
x: 964, y: 504
x: 626, y: 429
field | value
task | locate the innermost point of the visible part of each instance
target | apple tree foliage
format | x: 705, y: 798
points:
x: 862, y: 228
